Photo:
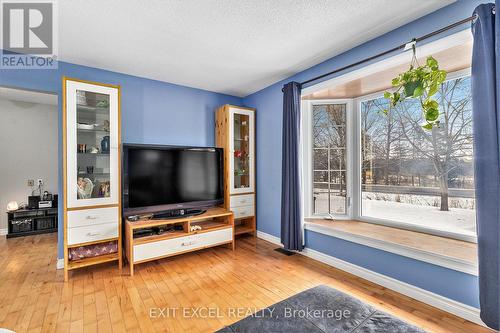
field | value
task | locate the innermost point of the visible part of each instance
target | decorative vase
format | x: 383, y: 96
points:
x: 105, y: 144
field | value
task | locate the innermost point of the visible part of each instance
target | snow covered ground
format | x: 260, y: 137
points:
x: 424, y: 214
x: 457, y: 220
x: 421, y: 200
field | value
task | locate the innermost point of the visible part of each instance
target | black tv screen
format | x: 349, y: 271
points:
x: 158, y: 178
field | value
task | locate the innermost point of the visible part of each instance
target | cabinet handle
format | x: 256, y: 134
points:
x: 187, y: 243
x: 91, y: 234
x: 90, y: 217
x: 243, y: 201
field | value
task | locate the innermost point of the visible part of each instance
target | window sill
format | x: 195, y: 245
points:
x: 450, y: 253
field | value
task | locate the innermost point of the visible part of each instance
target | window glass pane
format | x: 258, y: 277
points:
x: 321, y: 176
x: 418, y: 176
x: 320, y: 198
x: 337, y: 159
x: 320, y: 159
x: 337, y: 203
x: 329, y: 159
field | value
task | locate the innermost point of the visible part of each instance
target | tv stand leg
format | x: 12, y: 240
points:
x: 131, y: 266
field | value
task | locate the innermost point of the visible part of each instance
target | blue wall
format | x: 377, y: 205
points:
x: 268, y: 102
x: 459, y: 286
x: 152, y: 111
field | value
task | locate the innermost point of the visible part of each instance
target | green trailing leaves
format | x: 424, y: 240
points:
x: 428, y: 126
x: 431, y: 115
x: 421, y: 82
x: 432, y: 64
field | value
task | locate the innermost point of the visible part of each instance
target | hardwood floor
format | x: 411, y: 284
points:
x: 34, y: 298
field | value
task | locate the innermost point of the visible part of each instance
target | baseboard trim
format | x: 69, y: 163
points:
x: 268, y: 237
x: 60, y: 263
x: 458, y: 309
x: 3, y: 232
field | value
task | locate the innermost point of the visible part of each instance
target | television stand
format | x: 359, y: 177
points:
x: 178, y: 235
x: 177, y: 213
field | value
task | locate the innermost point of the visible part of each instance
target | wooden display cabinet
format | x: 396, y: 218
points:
x: 91, y: 166
x: 235, y: 133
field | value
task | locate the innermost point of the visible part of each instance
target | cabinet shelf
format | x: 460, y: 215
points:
x: 96, y: 154
x: 96, y: 131
x: 208, y: 221
x: 163, y: 236
x: 107, y: 240
x: 74, y: 264
x: 243, y: 229
x: 99, y: 174
x: 94, y: 109
x: 209, y: 226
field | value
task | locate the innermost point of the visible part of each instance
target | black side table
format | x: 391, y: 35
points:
x: 24, y: 222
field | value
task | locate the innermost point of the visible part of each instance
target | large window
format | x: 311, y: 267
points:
x: 396, y: 172
x: 415, y: 176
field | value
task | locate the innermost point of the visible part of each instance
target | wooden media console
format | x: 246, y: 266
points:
x: 175, y: 236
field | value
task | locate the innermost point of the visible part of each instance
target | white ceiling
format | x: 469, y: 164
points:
x: 227, y: 46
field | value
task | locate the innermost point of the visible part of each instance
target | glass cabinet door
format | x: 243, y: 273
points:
x: 92, y: 128
x: 242, y: 142
x: 92, y: 144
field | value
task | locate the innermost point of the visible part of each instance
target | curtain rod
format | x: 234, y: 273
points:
x: 402, y: 46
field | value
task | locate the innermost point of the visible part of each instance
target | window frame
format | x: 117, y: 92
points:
x: 353, y: 159
x: 307, y: 153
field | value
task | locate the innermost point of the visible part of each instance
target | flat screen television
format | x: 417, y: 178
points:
x: 166, y: 178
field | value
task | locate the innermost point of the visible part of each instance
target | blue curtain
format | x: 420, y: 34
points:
x: 291, y: 226
x: 486, y: 119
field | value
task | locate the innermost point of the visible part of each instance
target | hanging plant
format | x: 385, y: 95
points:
x: 420, y: 82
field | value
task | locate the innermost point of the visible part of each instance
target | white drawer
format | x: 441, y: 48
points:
x: 86, y: 217
x: 245, y: 211
x: 92, y: 233
x: 181, y: 244
x: 241, y: 200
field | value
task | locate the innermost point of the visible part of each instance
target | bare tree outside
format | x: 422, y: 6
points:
x: 404, y: 163
x: 449, y: 144
x: 329, y: 156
